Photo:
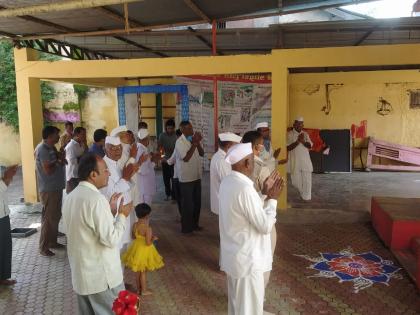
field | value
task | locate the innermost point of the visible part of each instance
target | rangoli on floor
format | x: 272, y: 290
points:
x: 363, y: 270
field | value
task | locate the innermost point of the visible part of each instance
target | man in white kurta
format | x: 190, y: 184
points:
x: 146, y: 177
x: 5, y: 235
x: 93, y: 235
x: 74, y: 150
x: 245, y: 227
x: 267, y: 155
x: 300, y: 164
x: 219, y: 168
x: 129, y: 152
x: 119, y: 180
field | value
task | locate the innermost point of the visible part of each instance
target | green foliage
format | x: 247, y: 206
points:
x: 81, y: 91
x: 71, y: 106
x: 48, y: 57
x: 8, y: 108
x: 47, y: 92
x: 8, y: 99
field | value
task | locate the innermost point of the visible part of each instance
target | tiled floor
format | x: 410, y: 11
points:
x: 190, y: 282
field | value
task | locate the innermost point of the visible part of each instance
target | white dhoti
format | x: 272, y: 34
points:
x: 302, y: 180
x: 273, y: 239
x: 246, y: 295
x: 145, y: 199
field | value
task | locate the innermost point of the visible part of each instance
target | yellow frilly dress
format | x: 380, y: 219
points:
x: 142, y: 257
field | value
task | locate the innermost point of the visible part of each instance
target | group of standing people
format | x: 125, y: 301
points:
x: 106, y: 209
x: 110, y: 187
x: 244, y: 188
x: 109, y: 193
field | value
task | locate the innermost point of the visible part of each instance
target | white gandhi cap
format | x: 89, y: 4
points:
x: 143, y: 133
x: 238, y: 152
x: 300, y: 119
x: 229, y: 136
x: 112, y: 140
x: 118, y: 130
x: 263, y: 124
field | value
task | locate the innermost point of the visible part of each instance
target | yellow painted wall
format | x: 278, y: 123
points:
x: 355, y: 97
x: 146, y: 100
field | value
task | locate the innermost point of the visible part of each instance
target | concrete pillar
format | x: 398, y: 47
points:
x: 29, y: 102
x: 279, y: 115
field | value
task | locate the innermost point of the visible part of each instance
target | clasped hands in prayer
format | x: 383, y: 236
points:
x: 121, y: 207
x: 273, y: 185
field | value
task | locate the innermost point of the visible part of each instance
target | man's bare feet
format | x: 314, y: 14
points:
x: 7, y: 282
x: 146, y: 293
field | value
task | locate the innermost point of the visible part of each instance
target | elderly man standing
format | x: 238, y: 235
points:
x: 219, y: 168
x: 268, y: 156
x: 93, y: 235
x: 245, y: 226
x: 146, y: 178
x: 5, y: 236
x: 51, y: 182
x: 119, y: 180
x: 300, y: 167
x: 74, y: 150
x: 129, y: 148
x: 188, y: 152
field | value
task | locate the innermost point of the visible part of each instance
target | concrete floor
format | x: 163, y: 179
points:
x: 190, y: 282
x: 353, y: 191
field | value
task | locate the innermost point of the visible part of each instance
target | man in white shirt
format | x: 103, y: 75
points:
x: 93, y: 235
x: 146, y: 177
x: 300, y: 164
x: 119, y: 180
x: 189, y: 152
x: 128, y: 156
x: 129, y: 147
x: 5, y: 236
x: 245, y: 227
x: 268, y: 155
x: 219, y: 168
x: 74, y: 150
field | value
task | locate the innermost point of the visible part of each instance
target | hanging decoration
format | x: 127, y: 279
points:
x: 384, y: 107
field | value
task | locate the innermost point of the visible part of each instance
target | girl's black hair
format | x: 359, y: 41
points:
x: 142, y: 210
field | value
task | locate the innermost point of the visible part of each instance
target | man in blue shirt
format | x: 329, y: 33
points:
x: 99, y: 142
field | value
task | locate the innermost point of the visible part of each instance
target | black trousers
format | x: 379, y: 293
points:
x: 168, y: 174
x: 190, y: 205
x: 177, y: 193
x: 5, y: 249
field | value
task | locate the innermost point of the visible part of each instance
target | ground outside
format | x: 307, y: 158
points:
x: 327, y: 261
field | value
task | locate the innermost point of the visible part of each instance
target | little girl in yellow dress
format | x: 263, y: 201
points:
x: 142, y: 256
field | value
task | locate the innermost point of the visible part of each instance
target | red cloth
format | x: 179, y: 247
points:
x: 318, y: 143
x: 359, y: 131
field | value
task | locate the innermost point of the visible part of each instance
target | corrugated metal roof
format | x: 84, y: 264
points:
x: 187, y: 43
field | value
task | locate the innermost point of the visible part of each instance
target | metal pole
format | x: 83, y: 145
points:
x: 216, y: 110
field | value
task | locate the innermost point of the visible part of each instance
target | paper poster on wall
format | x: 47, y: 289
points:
x: 243, y: 101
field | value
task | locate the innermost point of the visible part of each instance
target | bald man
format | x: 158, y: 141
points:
x: 245, y: 227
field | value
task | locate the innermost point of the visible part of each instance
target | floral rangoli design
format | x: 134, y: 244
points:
x: 362, y: 269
